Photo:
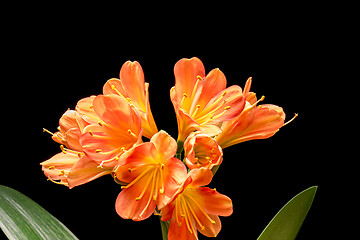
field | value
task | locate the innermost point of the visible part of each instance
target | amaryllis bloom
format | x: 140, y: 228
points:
x: 201, y: 150
x: 195, y: 208
x: 118, y: 131
x: 254, y: 122
x: 71, y: 167
x: 135, y: 90
x: 152, y: 175
x: 202, y: 102
x: 71, y: 125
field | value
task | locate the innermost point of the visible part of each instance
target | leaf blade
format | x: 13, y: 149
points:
x: 287, y: 222
x: 22, y: 218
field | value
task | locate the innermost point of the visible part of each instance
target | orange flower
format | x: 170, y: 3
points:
x: 71, y: 125
x: 195, y: 208
x: 201, y: 150
x: 202, y: 102
x: 71, y: 167
x: 152, y: 174
x: 118, y: 131
x: 254, y: 122
x: 132, y: 86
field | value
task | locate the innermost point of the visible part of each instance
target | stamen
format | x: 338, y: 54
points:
x: 91, y: 133
x: 137, y: 178
x: 63, y: 149
x: 56, y: 182
x: 69, y: 151
x: 106, y: 161
x: 198, y: 79
x: 196, y: 110
x: 295, y: 116
x: 131, y: 133
x: 150, y: 180
x: 186, y: 211
x: 45, y: 130
x: 261, y: 99
x: 194, y: 215
x: 183, y: 99
x: 201, y: 209
x: 98, y: 150
x: 117, y: 91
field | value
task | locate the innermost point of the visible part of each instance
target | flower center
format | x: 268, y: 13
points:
x: 187, y: 207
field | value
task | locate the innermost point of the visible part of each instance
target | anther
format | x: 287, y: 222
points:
x: 45, y: 130
x: 131, y: 133
x: 98, y: 150
x: 227, y: 108
x: 100, y: 123
x: 91, y: 133
x: 62, y: 149
x: 199, y: 78
x: 295, y: 116
x: 261, y: 99
x: 51, y: 167
x: 129, y: 170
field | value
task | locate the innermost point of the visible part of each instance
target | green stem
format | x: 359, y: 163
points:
x: 164, y: 229
x: 179, y: 149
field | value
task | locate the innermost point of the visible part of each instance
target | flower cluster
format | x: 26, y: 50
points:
x: 104, y: 135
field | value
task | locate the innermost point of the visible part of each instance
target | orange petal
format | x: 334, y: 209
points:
x: 211, y: 229
x: 200, y: 177
x: 179, y: 230
x: 85, y: 170
x: 186, y: 72
x: 215, y: 82
x: 133, y: 82
x: 86, y: 109
x: 114, y: 86
x: 164, y: 144
x: 213, y: 202
x: 175, y: 174
x: 129, y: 208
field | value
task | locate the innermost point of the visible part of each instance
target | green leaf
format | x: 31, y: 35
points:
x: 22, y: 218
x: 287, y: 222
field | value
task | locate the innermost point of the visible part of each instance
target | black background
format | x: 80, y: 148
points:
x: 55, y: 57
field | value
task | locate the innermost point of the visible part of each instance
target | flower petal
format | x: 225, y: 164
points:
x: 86, y: 109
x: 129, y: 208
x: 85, y: 170
x: 213, y: 202
x: 186, y: 72
x: 179, y: 230
x: 116, y: 111
x: 164, y: 144
x: 215, y: 82
x: 200, y: 177
x: 133, y: 82
x: 175, y: 174
x: 210, y: 229
x: 114, y: 86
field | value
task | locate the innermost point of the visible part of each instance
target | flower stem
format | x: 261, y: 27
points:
x: 164, y: 229
x: 179, y: 149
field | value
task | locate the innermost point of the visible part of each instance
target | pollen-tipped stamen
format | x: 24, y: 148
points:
x: 292, y: 119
